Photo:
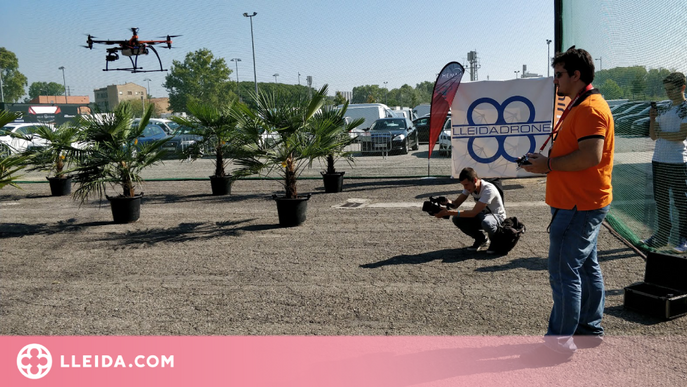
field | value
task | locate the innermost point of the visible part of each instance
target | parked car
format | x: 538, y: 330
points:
x: 445, y: 146
x: 631, y: 110
x: 623, y: 124
x: 176, y: 143
x: 422, y: 126
x: 390, y: 134
x: 617, y: 109
x: 168, y: 126
x: 640, y: 126
x: 17, y: 145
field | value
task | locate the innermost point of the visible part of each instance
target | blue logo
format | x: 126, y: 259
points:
x: 500, y: 130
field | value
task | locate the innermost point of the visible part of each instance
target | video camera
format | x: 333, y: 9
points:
x: 433, y: 206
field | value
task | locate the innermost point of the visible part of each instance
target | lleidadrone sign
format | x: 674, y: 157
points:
x: 496, y: 122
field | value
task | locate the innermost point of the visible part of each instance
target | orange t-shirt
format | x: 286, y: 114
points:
x: 589, y: 189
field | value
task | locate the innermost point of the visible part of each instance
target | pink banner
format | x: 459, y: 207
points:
x: 445, y: 88
x: 332, y: 361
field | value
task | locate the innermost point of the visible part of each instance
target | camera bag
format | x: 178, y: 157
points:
x: 663, y: 294
x: 507, y: 235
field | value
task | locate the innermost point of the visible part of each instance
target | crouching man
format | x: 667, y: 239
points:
x: 483, y: 216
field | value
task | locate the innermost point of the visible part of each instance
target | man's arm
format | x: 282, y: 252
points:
x: 588, y: 154
x: 479, y: 206
x: 678, y: 136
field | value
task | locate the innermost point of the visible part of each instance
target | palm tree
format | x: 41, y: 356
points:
x: 332, y: 131
x: 114, y: 155
x: 279, y: 134
x: 9, y: 165
x: 217, y: 126
x: 56, y: 155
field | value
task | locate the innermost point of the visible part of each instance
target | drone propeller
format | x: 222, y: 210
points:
x: 134, y: 30
x: 168, y: 39
x: 89, y: 41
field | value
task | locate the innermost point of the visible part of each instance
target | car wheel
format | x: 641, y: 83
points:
x: 416, y: 146
x: 405, y: 147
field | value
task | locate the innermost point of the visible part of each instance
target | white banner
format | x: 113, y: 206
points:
x: 494, y: 123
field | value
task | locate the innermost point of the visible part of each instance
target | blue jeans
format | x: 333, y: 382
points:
x: 575, y: 276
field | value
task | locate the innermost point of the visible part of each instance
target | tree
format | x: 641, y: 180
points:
x: 199, y: 79
x: 45, y: 88
x: 13, y: 82
x: 611, y: 90
x: 368, y: 94
x: 339, y: 99
x: 638, y: 85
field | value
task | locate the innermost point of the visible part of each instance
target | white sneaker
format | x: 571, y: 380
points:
x: 682, y: 247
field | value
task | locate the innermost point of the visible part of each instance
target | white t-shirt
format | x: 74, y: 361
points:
x: 669, y: 120
x: 490, y: 195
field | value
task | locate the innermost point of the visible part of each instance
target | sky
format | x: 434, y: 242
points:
x: 342, y: 44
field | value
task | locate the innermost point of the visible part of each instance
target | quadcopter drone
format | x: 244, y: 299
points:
x: 131, y: 48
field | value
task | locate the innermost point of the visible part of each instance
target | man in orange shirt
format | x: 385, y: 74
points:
x: 579, y: 192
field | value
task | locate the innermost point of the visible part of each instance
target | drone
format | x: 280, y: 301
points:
x: 131, y: 48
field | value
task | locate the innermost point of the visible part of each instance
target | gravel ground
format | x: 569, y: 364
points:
x: 196, y: 264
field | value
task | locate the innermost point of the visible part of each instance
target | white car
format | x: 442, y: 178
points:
x: 168, y: 126
x: 17, y: 145
x: 444, y: 141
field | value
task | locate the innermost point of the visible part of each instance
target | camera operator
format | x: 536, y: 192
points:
x: 483, y: 216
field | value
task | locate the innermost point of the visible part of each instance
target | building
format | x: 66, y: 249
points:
x: 348, y: 95
x: 108, y: 97
x: 161, y: 105
x: 61, y: 99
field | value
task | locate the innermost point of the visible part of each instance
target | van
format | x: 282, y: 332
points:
x: 422, y: 109
x: 371, y: 112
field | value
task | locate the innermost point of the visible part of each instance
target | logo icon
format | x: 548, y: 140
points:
x: 34, y: 361
x: 500, y: 120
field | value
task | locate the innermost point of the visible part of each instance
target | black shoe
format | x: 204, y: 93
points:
x: 543, y: 356
x: 480, y: 244
x: 588, y: 341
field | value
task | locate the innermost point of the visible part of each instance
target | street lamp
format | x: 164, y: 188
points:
x: 148, y: 90
x: 600, y: 66
x: 252, y: 40
x: 65, y: 83
x: 275, y: 77
x: 548, y: 56
x: 516, y: 73
x: 386, y: 94
x: 2, y: 92
x: 237, y: 60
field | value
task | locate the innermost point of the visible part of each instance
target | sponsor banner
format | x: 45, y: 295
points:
x: 494, y: 123
x: 445, y: 88
x: 285, y: 361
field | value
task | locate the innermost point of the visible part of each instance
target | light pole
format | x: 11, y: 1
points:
x: 148, y: 90
x: 252, y: 40
x: 237, y: 60
x: 600, y: 65
x: 64, y: 82
x: 299, y: 79
x: 275, y: 77
x: 386, y: 94
x: 516, y: 73
x: 2, y: 92
x: 548, y: 57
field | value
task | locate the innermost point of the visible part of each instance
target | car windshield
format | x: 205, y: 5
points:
x: 173, y: 125
x: 152, y: 130
x: 388, y: 125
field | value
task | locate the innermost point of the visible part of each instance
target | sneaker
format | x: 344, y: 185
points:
x: 682, y: 247
x: 655, y: 241
x: 480, y: 244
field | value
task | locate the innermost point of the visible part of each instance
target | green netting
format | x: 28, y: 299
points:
x: 635, y: 45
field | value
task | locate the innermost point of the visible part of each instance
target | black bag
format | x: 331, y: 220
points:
x: 507, y: 235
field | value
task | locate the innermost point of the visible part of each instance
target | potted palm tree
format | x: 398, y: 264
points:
x: 115, y: 157
x: 217, y: 129
x: 9, y: 164
x: 55, y: 156
x: 280, y: 134
x: 333, y: 133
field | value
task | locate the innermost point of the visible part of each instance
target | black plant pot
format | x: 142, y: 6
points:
x: 291, y: 210
x: 333, y: 182
x: 221, y: 185
x: 60, y: 186
x: 125, y: 209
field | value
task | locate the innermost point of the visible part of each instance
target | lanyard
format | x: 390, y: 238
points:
x: 565, y: 113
